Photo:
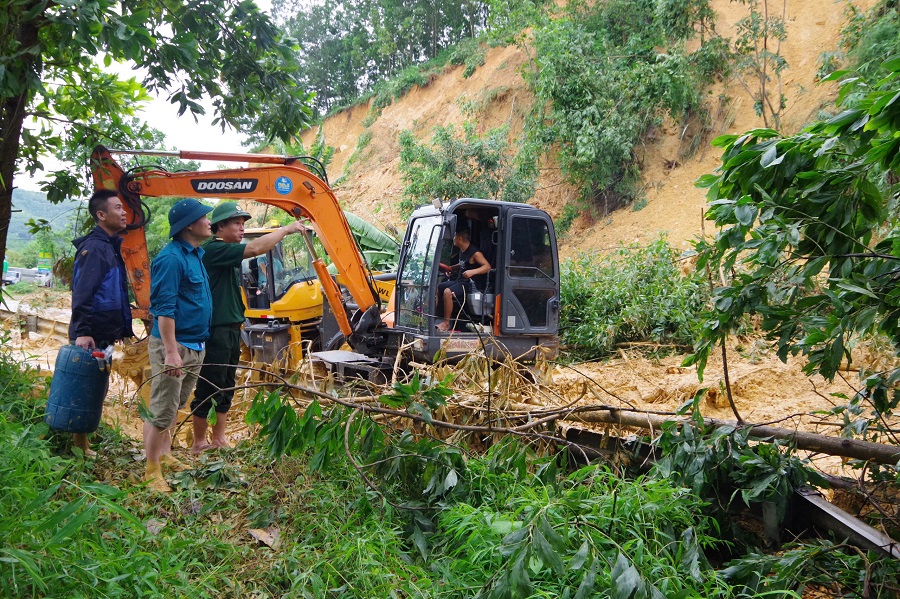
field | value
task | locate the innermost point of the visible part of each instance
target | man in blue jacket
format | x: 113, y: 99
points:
x: 181, y: 304
x: 101, y: 314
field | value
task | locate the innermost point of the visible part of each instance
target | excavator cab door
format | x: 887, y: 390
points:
x: 415, y: 291
x: 529, y: 285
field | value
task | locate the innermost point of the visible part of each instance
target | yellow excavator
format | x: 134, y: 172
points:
x: 283, y: 302
x: 513, y: 310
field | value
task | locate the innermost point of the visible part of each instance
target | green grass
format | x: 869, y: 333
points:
x: 508, y: 524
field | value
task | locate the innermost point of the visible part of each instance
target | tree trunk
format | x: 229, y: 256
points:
x: 12, y: 116
x: 11, y: 120
x: 838, y: 446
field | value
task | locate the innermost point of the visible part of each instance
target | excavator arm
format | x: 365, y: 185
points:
x: 279, y: 181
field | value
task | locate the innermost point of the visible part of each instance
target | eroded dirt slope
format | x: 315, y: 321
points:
x: 496, y: 94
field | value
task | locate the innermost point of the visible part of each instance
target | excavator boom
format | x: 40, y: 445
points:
x: 279, y: 181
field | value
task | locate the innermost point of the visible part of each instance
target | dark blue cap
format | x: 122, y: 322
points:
x: 183, y: 213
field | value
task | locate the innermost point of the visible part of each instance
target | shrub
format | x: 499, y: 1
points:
x: 570, y: 212
x: 871, y: 37
x: 362, y: 142
x: 470, y: 53
x: 634, y: 294
x: 603, y: 74
x: 462, y: 165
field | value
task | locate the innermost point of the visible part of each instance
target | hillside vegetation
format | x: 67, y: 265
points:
x: 33, y: 205
x: 669, y: 156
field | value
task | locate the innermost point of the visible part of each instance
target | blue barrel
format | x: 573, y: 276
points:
x: 79, y: 386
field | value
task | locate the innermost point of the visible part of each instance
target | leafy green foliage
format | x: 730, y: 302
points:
x: 385, y: 92
x: 634, y: 294
x: 795, y: 208
x: 720, y: 465
x: 57, y: 100
x: 822, y: 563
x: 871, y: 36
x: 605, y: 72
x: 63, y: 534
x: 584, y: 535
x: 462, y: 165
x: 422, y: 471
x: 508, y: 20
x: 348, y: 47
x: 321, y: 153
x: 829, y: 62
x: 682, y: 19
x: 470, y: 53
x: 507, y: 523
x: 567, y: 217
x: 804, y: 230
x: 362, y: 142
x: 758, y: 61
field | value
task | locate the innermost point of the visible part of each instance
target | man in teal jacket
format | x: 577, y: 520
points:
x: 181, y: 304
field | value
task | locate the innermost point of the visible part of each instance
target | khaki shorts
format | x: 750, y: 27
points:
x: 168, y: 393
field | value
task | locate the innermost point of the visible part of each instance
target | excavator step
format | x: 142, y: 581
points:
x: 347, y: 365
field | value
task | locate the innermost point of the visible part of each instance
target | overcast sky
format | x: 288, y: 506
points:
x: 182, y: 133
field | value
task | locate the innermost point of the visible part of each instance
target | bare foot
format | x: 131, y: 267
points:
x: 199, y: 448
x: 80, y: 440
x: 88, y: 454
x: 221, y: 444
x: 443, y: 326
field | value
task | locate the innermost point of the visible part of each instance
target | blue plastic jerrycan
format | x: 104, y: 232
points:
x: 80, y: 382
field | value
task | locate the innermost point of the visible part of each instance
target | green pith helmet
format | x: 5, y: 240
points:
x: 227, y: 210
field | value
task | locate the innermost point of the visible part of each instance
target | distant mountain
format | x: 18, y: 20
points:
x: 29, y: 205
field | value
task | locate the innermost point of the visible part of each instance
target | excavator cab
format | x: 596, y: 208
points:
x: 283, y: 301
x: 267, y: 278
x: 511, y: 310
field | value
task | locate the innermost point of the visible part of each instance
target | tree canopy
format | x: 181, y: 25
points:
x: 348, y: 46
x: 809, y: 233
x: 56, y: 97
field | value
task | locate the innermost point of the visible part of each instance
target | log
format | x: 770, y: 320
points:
x: 837, y: 446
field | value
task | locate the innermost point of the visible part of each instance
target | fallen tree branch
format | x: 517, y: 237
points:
x: 604, y: 414
x: 837, y: 446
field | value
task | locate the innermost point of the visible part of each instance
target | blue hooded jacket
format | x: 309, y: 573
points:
x: 100, y: 307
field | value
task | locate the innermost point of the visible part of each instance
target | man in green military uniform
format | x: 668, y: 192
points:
x: 222, y: 257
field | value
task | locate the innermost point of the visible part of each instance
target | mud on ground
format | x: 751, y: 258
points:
x: 765, y: 390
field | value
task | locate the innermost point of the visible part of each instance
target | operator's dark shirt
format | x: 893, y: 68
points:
x: 467, y: 262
